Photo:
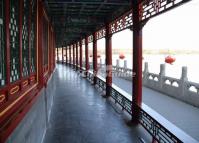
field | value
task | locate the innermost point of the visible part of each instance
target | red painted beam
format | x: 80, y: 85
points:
x: 95, y: 57
x: 108, y: 40
x: 137, y: 61
x: 86, y: 55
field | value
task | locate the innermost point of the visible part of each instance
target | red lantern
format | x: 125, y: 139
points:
x: 98, y: 56
x: 121, y: 56
x: 170, y: 60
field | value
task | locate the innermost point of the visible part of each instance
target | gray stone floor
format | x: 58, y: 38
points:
x: 183, y: 115
x: 81, y: 115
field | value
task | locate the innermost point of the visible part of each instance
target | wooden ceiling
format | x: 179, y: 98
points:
x: 75, y: 19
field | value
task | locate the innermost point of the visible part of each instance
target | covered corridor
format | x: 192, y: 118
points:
x: 45, y: 98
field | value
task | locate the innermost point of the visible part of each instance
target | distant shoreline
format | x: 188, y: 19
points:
x: 172, y: 52
x: 153, y: 52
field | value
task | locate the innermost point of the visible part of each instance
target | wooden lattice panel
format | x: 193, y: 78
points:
x: 14, y: 41
x: 122, y: 23
x: 25, y: 40
x: 101, y: 33
x: 2, y: 45
x: 151, y: 8
x: 32, y: 38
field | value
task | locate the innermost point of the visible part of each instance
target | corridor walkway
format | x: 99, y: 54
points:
x: 81, y: 115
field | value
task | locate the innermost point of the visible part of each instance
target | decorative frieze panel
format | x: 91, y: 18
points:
x: 122, y: 23
x: 101, y: 33
x: 151, y: 8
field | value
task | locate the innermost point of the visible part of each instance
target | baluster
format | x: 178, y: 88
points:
x: 183, y: 81
x: 161, y: 75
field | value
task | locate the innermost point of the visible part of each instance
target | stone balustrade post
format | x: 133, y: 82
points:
x: 161, y: 75
x: 125, y: 64
x: 183, y: 80
x: 90, y: 65
x: 117, y: 64
x: 184, y: 73
x: 145, y: 73
x: 100, y: 62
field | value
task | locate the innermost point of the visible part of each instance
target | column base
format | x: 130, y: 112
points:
x: 108, y: 90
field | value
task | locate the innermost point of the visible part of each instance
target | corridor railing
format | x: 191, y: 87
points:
x: 160, y: 129
x: 150, y: 124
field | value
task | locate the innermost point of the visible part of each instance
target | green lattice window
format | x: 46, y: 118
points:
x: 14, y: 40
x: 45, y: 42
x: 2, y: 45
x: 32, y: 37
x: 25, y: 40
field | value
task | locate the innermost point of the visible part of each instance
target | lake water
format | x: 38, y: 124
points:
x: 174, y: 70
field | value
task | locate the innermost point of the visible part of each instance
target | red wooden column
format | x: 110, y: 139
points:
x: 62, y: 53
x: 40, y: 44
x: 80, y: 55
x: 95, y: 57
x: 77, y: 56
x: 66, y: 54
x: 69, y: 55
x: 74, y: 55
x: 57, y: 54
x: 108, y: 40
x: 137, y: 62
x: 86, y: 55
